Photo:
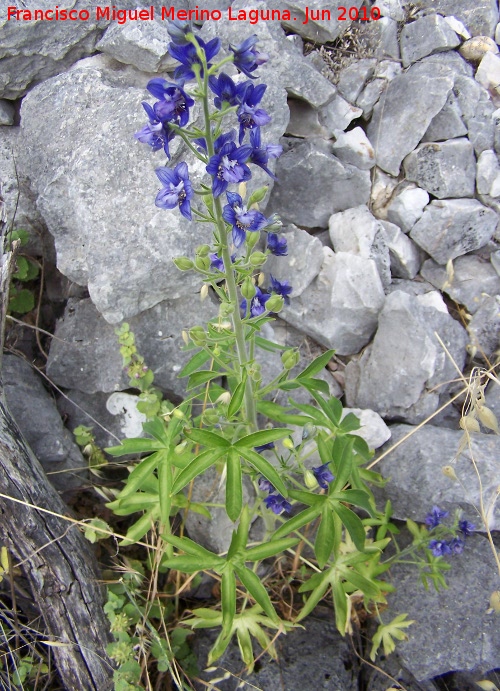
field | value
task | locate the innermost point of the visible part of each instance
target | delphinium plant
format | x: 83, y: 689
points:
x: 324, y: 508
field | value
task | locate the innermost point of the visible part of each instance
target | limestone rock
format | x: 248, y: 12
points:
x: 397, y: 374
x: 480, y: 17
x: 488, y: 75
x: 477, y: 112
x: 303, y: 262
x: 475, y: 48
x: 407, y: 207
x: 338, y: 114
x: 321, y: 24
x: 463, y: 225
x: 354, y: 147
x: 446, y: 170
x: 405, y: 256
x: 353, y: 78
x: 427, y: 35
x: 304, y: 120
x: 142, y: 44
x: 380, y: 37
x: 447, y: 124
x: 405, y: 111
x: 340, y: 307
x: 472, y: 277
x: 488, y: 173
x: 484, y: 327
x: 313, y: 184
x: 357, y: 231
x: 373, y: 429
x: 370, y: 96
x: 7, y: 112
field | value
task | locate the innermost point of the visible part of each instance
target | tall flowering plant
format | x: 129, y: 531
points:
x: 324, y: 505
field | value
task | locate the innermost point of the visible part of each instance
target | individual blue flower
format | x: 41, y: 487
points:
x: 247, y: 58
x: 265, y: 485
x: 177, y: 190
x: 434, y: 518
x: 257, y: 304
x: 156, y: 134
x: 466, y: 528
x: 260, y: 154
x: 187, y: 56
x: 177, y: 30
x: 264, y: 447
x: 217, y: 263
x: 282, y: 288
x: 242, y: 219
x: 228, y: 166
x: 323, y: 475
x: 456, y: 545
x: 225, y: 90
x: 276, y: 244
x: 278, y: 504
x: 249, y: 115
x: 173, y: 104
x: 439, y: 548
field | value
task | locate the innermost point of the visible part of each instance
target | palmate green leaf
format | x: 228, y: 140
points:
x: 252, y: 583
x: 353, y: 525
x: 264, y: 468
x: 197, y: 466
x: 237, y: 398
x: 259, y: 438
x: 298, y: 521
x: 316, y: 365
x: 386, y: 633
x: 134, y: 446
x: 228, y: 599
x: 234, y: 489
x: 270, y: 549
x: 210, y: 439
x: 325, y: 537
x: 194, y: 364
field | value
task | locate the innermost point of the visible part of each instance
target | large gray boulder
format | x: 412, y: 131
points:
x: 397, y: 375
x: 477, y: 112
x: 302, y: 263
x: 446, y: 170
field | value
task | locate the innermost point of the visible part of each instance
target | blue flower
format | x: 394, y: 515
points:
x: 157, y: 134
x: 257, y: 304
x: 278, y: 504
x: 265, y: 485
x: 177, y: 190
x: 466, y: 528
x: 433, y: 519
x: 261, y: 154
x: 217, y: 263
x: 456, y: 545
x: 225, y: 90
x: 264, y: 447
x: 276, y: 244
x: 187, y: 56
x: 228, y: 166
x: 237, y: 214
x: 283, y: 288
x: 247, y: 58
x: 249, y: 115
x: 323, y: 475
x: 439, y: 548
x: 174, y: 103
x: 177, y: 31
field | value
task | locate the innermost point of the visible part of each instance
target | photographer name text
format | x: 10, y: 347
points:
x: 253, y: 16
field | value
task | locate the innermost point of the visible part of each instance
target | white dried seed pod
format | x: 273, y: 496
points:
x: 469, y: 423
x: 449, y: 471
x: 488, y: 418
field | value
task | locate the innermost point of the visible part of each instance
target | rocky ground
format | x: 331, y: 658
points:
x: 389, y: 186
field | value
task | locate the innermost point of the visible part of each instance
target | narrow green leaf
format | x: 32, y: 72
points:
x: 336, y: 410
x: 353, y: 524
x: 264, y: 344
x: 140, y: 527
x: 190, y: 547
x: 295, y: 523
x: 246, y: 648
x: 277, y: 412
x: 269, y: 549
x: 340, y: 605
x: 228, y: 599
x: 264, y: 437
x: 325, y: 537
x: 237, y: 397
x: 316, y: 415
x: 134, y: 446
x: 264, y: 468
x: 317, y: 365
x: 234, y: 489
x: 194, y: 364
x: 342, y: 458
x: 306, y: 497
x: 240, y: 535
x: 210, y: 439
x: 190, y: 564
x: 350, y: 423
x: 201, y: 377
x: 315, y: 385
x: 356, y: 497
x: 156, y: 428
x: 317, y: 595
x: 252, y: 583
x: 366, y: 586
x: 197, y: 466
x: 140, y: 474
x: 165, y: 486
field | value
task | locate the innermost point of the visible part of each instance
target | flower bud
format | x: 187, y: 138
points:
x: 224, y: 398
x: 288, y: 444
x: 176, y: 412
x: 180, y: 448
x: 184, y: 263
x: 257, y: 258
x: 210, y: 417
x: 226, y: 309
x: 289, y: 359
x: 275, y: 303
x: 252, y: 239
x: 275, y: 225
x: 254, y: 372
x: 309, y: 480
x: 449, y: 471
x: 202, y: 250
x: 197, y: 335
x: 202, y: 263
x: 248, y: 289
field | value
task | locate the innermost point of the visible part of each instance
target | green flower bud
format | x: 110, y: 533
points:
x: 289, y: 358
x: 202, y: 250
x: 178, y: 413
x: 288, y: 444
x: 276, y: 224
x: 184, y: 263
x: 252, y: 239
x: 254, y: 372
x: 309, y: 480
x: 275, y: 303
x: 180, y: 448
x: 226, y: 309
x: 210, y: 417
x: 257, y: 258
x: 248, y: 289
x: 198, y: 335
x: 202, y: 263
